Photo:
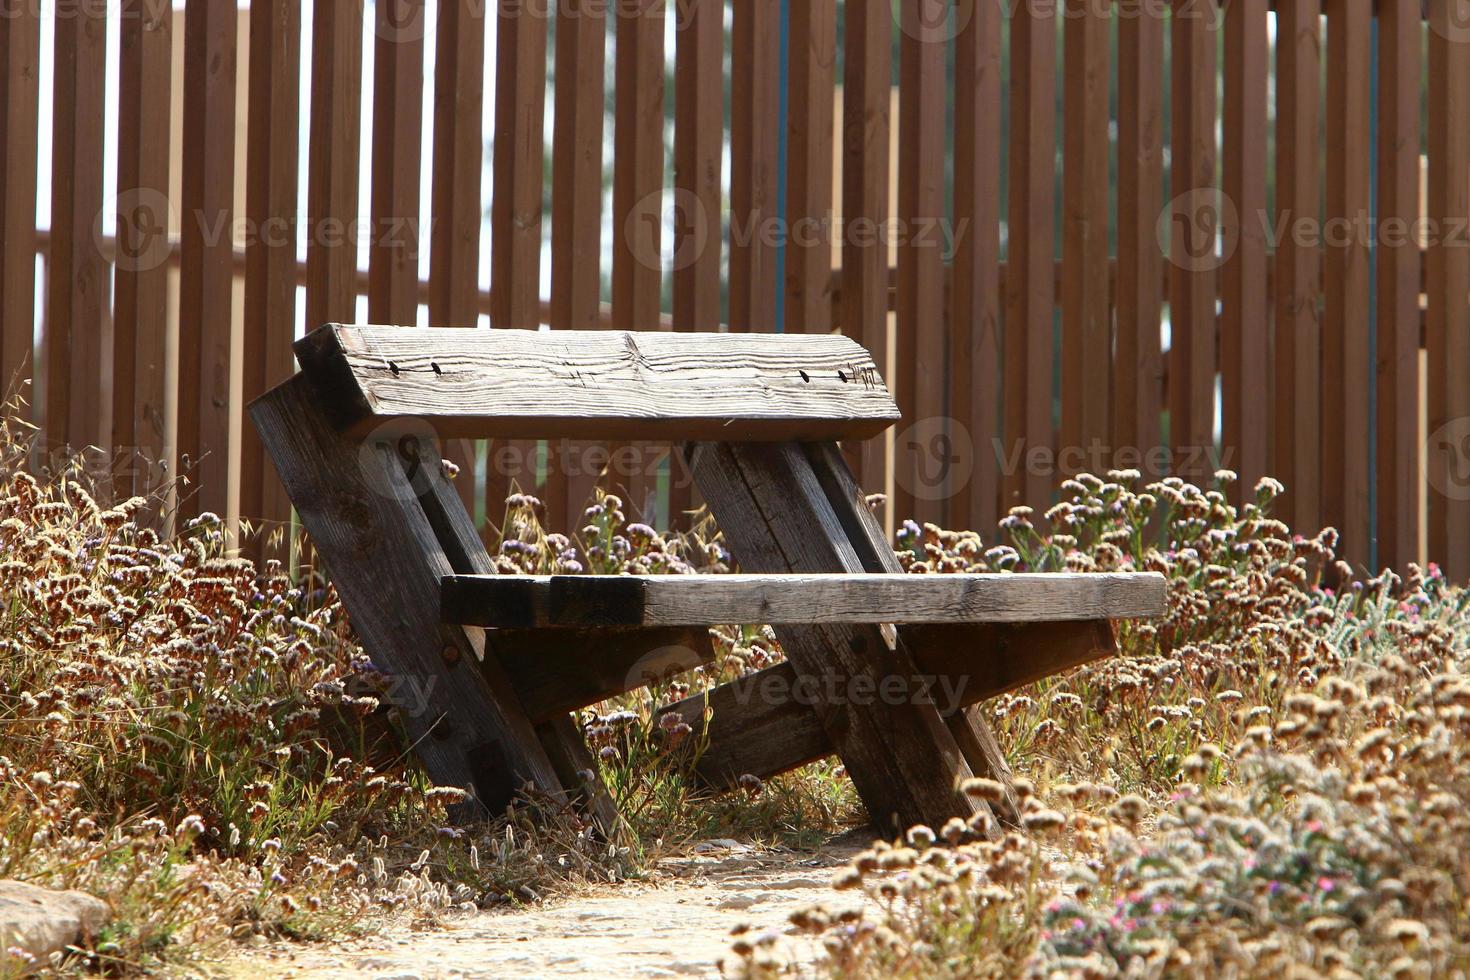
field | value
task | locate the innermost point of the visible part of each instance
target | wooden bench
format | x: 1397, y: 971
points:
x: 885, y: 669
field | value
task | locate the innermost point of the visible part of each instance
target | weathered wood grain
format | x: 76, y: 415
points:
x: 457, y: 535
x: 599, y: 384
x: 900, y: 755
x: 764, y: 723
x: 526, y: 601
x: 386, y: 562
x: 562, y: 671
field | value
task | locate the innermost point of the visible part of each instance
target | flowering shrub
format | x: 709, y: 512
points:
x: 1327, y: 833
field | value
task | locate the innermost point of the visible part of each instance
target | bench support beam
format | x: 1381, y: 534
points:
x: 387, y: 558
x: 898, y: 749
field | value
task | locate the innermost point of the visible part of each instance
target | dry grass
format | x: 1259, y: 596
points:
x: 1271, y: 780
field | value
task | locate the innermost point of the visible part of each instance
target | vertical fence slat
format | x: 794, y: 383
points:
x: 1345, y: 280
x: 140, y: 283
x: 638, y: 165
x: 332, y: 192
x: 866, y: 71
x: 206, y: 272
x: 77, y: 270
x: 975, y: 285
x: 1448, y: 267
x: 20, y: 39
x: 270, y: 252
x: 1244, y: 337
x: 755, y: 43
x: 576, y: 166
x: 454, y: 234
x: 1138, y: 378
x: 1297, y: 401
x: 1030, y: 267
x: 1086, y: 306
x: 809, y: 166
x: 1400, y: 68
x: 699, y: 127
x: 519, y: 154
x: 920, y: 370
x: 576, y: 204
x: 398, y: 98
x: 515, y: 208
x: 1192, y: 289
x: 638, y: 173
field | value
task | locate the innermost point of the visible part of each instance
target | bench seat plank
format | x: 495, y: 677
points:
x: 598, y: 384
x: 525, y: 601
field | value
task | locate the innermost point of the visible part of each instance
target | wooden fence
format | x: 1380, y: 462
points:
x: 1102, y: 233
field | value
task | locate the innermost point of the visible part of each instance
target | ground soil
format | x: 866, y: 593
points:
x: 676, y: 923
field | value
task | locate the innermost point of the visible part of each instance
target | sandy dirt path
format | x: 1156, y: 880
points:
x: 675, y: 924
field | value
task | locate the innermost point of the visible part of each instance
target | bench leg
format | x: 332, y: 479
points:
x: 387, y: 561
x: 969, y: 728
x: 898, y: 749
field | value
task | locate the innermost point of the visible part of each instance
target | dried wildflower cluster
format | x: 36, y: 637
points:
x: 189, y: 739
x: 1272, y: 777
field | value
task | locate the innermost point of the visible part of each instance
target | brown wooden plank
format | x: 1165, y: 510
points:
x: 398, y: 95
x: 1447, y: 263
x: 764, y: 723
x: 576, y: 166
x: 332, y: 192
x: 919, y: 372
x: 515, y: 207
x: 921, y: 643
x: 76, y: 270
x: 867, y: 83
x: 20, y: 40
x: 1345, y: 277
x: 974, y: 340
x: 460, y: 542
x: 698, y: 164
x: 1398, y: 475
x: 576, y: 211
x: 699, y: 128
x: 454, y: 236
x: 1030, y: 293
x: 809, y: 120
x: 1086, y: 307
x: 1138, y: 366
x: 270, y: 256
x: 638, y: 165
x: 600, y: 384
x: 755, y: 49
x: 900, y: 755
x: 1192, y: 294
x: 577, y: 668
x: 366, y: 523
x: 1244, y: 333
x: 140, y: 279
x: 530, y: 601
x: 1297, y: 399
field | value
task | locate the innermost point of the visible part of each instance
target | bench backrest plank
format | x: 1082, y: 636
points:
x: 599, y: 384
